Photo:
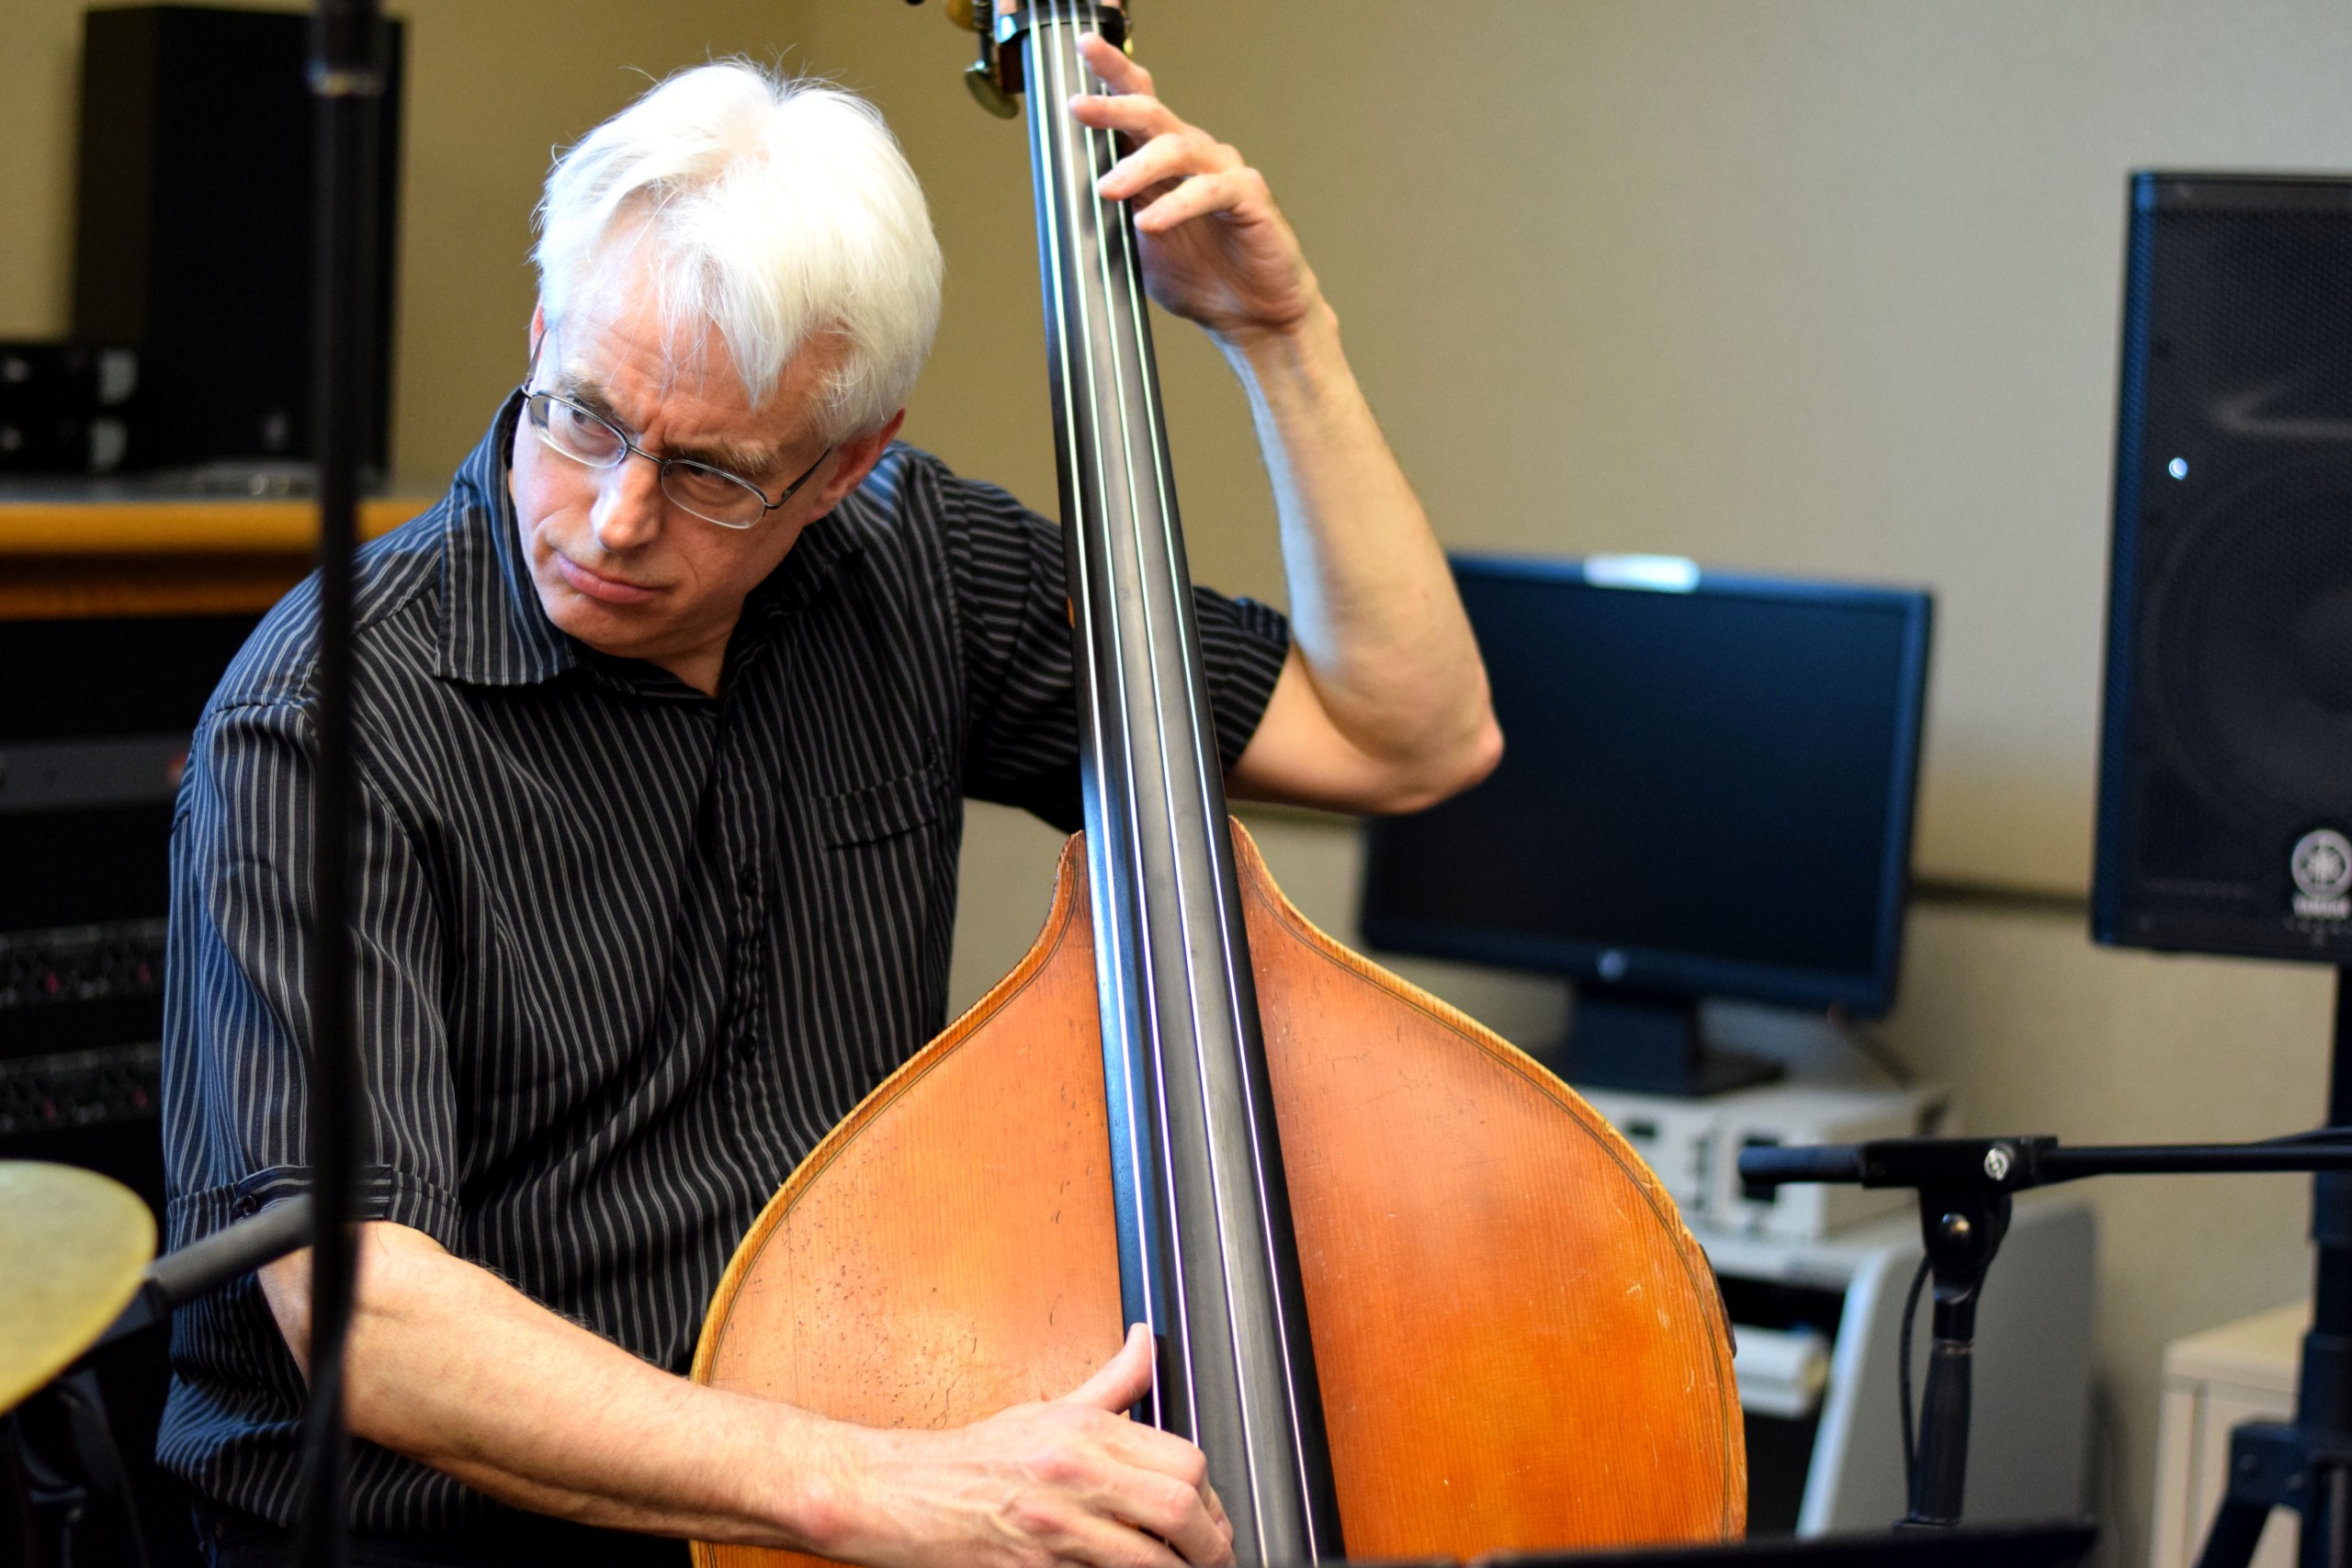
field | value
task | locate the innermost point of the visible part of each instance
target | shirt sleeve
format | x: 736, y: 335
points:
x: 237, y: 1017
x: 1013, y: 609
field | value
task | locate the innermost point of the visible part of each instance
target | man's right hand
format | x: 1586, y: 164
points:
x: 454, y: 1367
x: 1072, y: 1481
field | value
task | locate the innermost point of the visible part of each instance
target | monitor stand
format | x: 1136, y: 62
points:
x: 1647, y: 1042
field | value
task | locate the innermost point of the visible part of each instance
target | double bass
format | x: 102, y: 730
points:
x: 1411, y: 1295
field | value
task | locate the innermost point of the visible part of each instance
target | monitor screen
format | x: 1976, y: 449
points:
x: 1706, y: 786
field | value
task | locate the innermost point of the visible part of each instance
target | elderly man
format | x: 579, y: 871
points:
x: 669, y: 710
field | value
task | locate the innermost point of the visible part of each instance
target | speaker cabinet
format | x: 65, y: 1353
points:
x: 2225, y: 771
x: 193, y: 227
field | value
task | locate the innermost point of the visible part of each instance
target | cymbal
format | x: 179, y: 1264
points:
x: 72, y: 1244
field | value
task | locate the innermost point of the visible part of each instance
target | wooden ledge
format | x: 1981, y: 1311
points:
x: 229, y: 527
x: 163, y: 558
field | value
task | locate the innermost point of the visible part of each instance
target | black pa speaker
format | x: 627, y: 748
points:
x: 2226, y: 769
x: 193, y: 221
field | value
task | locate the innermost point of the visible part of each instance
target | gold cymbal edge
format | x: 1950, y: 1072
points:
x: 73, y: 1247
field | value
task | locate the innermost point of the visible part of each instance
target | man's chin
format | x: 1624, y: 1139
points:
x: 623, y: 631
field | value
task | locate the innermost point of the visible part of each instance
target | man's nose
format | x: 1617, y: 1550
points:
x: 630, y: 504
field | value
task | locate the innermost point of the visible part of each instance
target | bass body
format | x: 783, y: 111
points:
x: 1518, y: 1344
x: 1412, y: 1296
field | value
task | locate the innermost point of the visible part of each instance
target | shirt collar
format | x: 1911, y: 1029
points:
x: 493, y: 630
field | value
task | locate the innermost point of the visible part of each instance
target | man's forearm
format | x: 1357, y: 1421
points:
x: 456, y: 1369
x: 1372, y: 606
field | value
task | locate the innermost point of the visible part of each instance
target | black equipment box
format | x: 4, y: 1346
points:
x: 67, y: 408
x: 193, y: 221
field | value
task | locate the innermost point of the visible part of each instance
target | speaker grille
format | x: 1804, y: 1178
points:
x: 2252, y: 640
x: 2229, y: 719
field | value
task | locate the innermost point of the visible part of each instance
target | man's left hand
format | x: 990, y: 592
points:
x: 1215, y: 248
x: 1383, y: 703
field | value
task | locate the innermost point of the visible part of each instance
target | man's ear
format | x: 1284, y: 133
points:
x: 539, y: 328
x: 859, y: 453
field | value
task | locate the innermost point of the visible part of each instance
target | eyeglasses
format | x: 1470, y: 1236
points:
x: 712, y: 494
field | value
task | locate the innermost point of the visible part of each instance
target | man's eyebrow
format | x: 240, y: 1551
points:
x: 751, y: 462
x: 745, y: 462
x: 589, y: 395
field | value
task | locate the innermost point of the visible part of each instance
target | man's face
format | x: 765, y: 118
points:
x: 616, y: 563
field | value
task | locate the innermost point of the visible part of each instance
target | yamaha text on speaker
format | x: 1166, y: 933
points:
x: 2226, y: 777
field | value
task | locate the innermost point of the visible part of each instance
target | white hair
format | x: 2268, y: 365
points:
x: 774, y: 209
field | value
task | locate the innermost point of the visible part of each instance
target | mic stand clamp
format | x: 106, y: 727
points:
x: 1961, y: 1226
x: 1965, y: 1186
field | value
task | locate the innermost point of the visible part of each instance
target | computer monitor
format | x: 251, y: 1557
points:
x: 1706, y: 790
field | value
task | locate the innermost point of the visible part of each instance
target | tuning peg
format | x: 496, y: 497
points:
x: 962, y: 13
x: 981, y: 78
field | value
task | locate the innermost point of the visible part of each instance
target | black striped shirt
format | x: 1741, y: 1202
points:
x: 627, y: 951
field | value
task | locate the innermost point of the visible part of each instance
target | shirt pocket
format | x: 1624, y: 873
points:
x: 870, y: 813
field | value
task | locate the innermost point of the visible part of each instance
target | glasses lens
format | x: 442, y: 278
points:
x: 712, y: 494
x: 576, y: 432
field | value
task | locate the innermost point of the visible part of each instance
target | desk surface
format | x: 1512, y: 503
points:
x: 230, y: 527
x: 62, y: 557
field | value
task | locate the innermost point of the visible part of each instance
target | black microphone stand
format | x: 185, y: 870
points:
x: 1965, y: 1187
x: 348, y: 55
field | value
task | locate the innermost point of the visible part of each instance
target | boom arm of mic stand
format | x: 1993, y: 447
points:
x: 1965, y: 1187
x: 203, y: 1267
x: 2014, y: 1164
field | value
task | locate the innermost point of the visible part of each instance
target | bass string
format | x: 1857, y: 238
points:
x: 1110, y: 230
x: 1056, y: 158
x: 1099, y: 150
x: 1210, y: 771
x: 1229, y: 944
x: 1109, y: 224
x: 1056, y: 290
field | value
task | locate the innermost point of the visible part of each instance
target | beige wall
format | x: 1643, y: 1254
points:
x: 1821, y: 285
x: 37, y: 66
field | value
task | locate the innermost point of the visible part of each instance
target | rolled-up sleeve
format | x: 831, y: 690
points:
x: 237, y: 1014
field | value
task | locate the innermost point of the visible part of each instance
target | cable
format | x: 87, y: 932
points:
x: 1903, y: 1382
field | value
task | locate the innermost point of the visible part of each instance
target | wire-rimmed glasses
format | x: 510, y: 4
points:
x: 712, y: 494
